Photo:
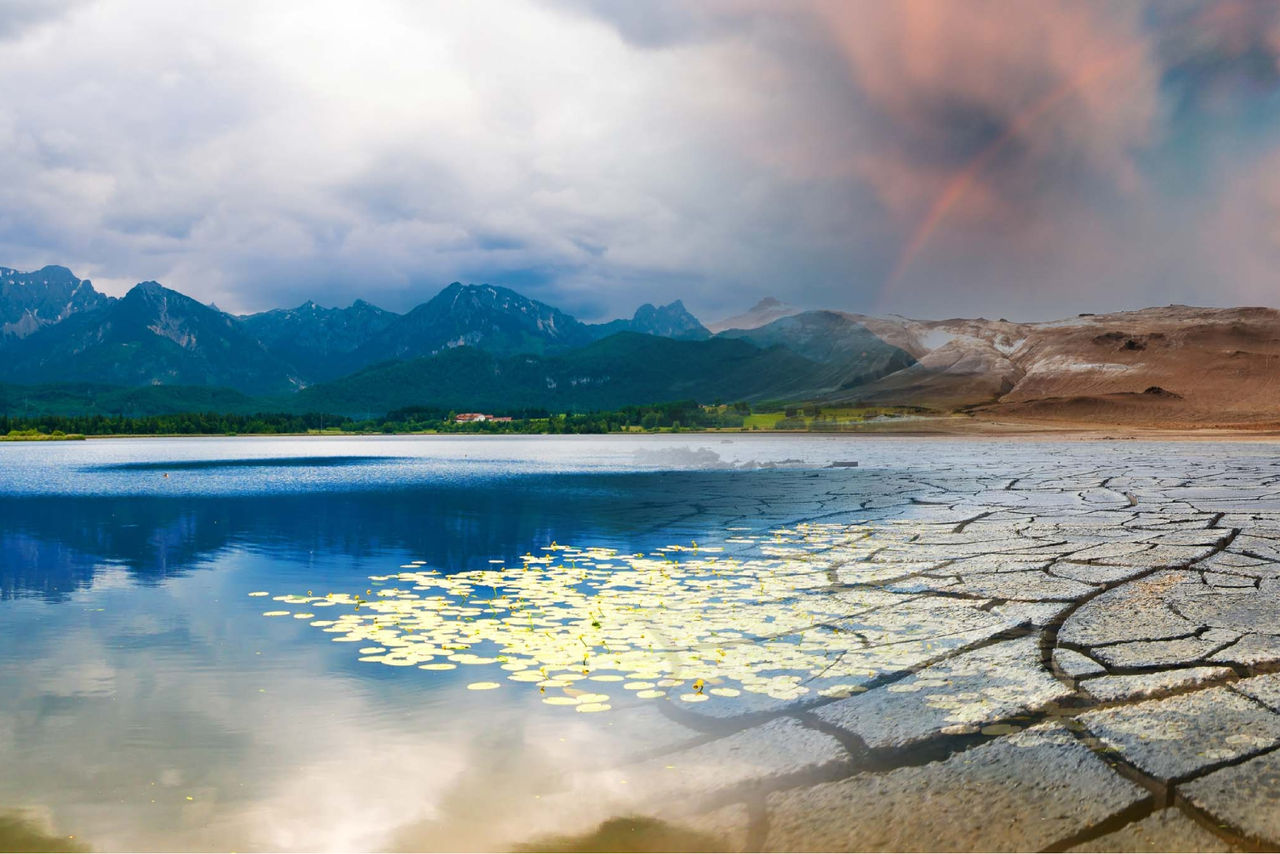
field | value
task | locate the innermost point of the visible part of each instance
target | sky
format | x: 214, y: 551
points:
x: 932, y: 158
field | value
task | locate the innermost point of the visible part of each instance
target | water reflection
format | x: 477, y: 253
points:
x: 250, y: 463
x: 51, y: 546
x: 145, y: 703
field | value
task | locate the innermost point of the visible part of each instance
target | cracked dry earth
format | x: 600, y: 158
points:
x: 1082, y: 655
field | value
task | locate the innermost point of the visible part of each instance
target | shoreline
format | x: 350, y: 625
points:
x: 942, y: 427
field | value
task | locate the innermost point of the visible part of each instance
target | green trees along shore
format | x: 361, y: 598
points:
x: 664, y: 417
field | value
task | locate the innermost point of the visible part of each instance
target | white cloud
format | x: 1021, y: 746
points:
x: 257, y: 153
x: 588, y: 154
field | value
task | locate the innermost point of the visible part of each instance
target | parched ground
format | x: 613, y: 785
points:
x: 1048, y: 651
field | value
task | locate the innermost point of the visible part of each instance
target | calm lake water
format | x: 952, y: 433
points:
x: 146, y: 702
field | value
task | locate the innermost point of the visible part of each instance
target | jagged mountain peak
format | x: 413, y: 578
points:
x: 151, y: 291
x: 489, y: 317
x: 318, y: 341
x: 152, y: 298
x: 48, y: 274
x: 486, y: 295
x: 672, y: 320
x: 32, y: 301
x: 153, y: 335
x: 151, y: 288
x: 650, y: 310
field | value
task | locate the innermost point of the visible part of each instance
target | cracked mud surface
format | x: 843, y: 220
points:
x: 1087, y: 650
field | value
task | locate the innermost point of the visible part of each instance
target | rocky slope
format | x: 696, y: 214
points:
x: 497, y: 320
x: 151, y: 336
x: 320, y: 343
x: 31, y: 301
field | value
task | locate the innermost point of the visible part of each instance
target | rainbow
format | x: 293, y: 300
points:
x: 963, y: 180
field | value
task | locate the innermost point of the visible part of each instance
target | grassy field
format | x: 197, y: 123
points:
x: 825, y: 419
x: 36, y: 436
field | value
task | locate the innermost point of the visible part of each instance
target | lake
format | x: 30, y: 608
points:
x: 520, y: 620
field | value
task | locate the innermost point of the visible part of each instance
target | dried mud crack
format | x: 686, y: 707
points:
x: 1125, y: 689
x: 1031, y: 654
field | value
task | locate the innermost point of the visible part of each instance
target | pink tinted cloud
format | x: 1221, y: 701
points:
x: 1057, y: 87
x: 1238, y: 243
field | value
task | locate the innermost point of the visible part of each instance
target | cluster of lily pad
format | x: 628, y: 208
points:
x: 581, y: 624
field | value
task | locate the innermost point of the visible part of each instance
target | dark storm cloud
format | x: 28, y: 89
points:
x: 920, y: 156
x: 1218, y: 56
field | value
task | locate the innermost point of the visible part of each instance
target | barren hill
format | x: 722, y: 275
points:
x: 1194, y: 365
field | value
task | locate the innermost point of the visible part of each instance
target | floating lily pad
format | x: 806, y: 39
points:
x: 676, y: 617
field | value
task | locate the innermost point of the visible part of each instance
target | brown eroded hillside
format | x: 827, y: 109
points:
x: 1171, y: 364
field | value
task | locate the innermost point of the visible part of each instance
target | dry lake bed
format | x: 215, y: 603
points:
x: 448, y: 643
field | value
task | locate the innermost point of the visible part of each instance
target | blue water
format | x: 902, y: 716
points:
x: 145, y: 703
x: 73, y: 515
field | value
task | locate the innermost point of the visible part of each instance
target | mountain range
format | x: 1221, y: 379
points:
x: 65, y: 347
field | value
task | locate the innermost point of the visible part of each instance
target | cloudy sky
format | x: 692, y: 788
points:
x: 927, y: 157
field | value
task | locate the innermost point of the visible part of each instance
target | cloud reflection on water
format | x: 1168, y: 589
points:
x: 135, y: 673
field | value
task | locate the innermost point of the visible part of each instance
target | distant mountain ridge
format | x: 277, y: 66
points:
x: 63, y: 331
x: 762, y: 313
x: 667, y: 321
x: 150, y: 336
x: 320, y: 343
x: 487, y: 317
x: 63, y: 345
x: 55, y: 328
